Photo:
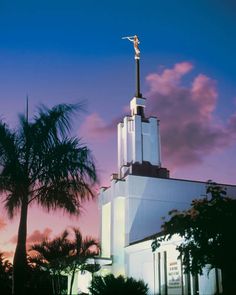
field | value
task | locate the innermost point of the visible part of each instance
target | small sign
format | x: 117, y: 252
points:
x: 174, y: 275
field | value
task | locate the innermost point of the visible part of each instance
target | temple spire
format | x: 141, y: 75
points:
x: 135, y: 40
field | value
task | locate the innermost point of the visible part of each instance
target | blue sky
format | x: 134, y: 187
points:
x: 47, y: 36
x: 68, y: 51
x: 77, y: 46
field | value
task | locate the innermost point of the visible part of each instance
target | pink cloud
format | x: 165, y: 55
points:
x: 169, y: 79
x: 8, y: 254
x: 232, y: 124
x: 35, y: 237
x: 13, y: 240
x: 2, y: 223
x: 204, y: 93
x: 95, y: 128
x: 38, y: 236
x: 189, y: 129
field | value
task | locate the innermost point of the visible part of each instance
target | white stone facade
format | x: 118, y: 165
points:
x: 163, y: 270
x: 138, y: 139
x: 131, y: 210
x: 132, y: 207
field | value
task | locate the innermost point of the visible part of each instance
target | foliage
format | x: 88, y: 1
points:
x: 82, y: 250
x: 50, y: 256
x: 63, y: 254
x: 5, y: 275
x: 41, y: 164
x: 39, y: 280
x: 111, y: 285
x: 208, y: 231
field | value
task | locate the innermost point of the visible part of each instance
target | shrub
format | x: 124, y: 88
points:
x: 111, y: 285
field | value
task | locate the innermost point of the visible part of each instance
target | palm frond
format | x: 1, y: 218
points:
x: 90, y: 247
x: 65, y: 159
x: 11, y: 175
x: 65, y: 177
x: 59, y: 195
x: 8, y: 148
x: 12, y: 204
x: 50, y: 124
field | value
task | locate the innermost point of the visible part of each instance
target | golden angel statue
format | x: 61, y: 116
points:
x: 134, y: 39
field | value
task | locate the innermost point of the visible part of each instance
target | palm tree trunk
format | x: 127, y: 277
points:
x: 72, y: 278
x: 20, y: 260
x: 53, y: 285
x: 59, y: 283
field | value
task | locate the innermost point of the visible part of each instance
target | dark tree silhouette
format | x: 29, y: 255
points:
x: 82, y: 250
x: 5, y: 275
x: 40, y: 163
x: 52, y: 256
x: 65, y: 254
x: 111, y: 285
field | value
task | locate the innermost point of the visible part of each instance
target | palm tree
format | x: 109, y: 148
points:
x: 51, y: 256
x: 83, y: 249
x: 5, y: 274
x: 63, y: 255
x: 40, y: 163
x: 39, y: 278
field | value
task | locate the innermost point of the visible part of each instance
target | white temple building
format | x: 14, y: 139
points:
x: 132, y: 207
x: 131, y: 211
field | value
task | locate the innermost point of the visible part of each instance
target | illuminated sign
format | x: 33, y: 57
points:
x: 174, y: 275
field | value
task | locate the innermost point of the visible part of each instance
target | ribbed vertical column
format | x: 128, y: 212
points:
x: 125, y: 140
x: 137, y: 140
x: 119, y: 147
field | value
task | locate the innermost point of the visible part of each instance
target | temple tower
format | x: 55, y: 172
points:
x: 139, y: 148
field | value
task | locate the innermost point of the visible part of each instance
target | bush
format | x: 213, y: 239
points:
x: 111, y: 285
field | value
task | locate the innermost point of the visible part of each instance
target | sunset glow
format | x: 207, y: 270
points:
x: 58, y: 52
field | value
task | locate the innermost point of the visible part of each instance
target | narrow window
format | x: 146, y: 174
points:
x: 195, y: 284
x: 159, y: 272
x: 188, y: 283
x: 165, y: 274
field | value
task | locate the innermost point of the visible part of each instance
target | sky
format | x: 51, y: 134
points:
x: 71, y: 51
